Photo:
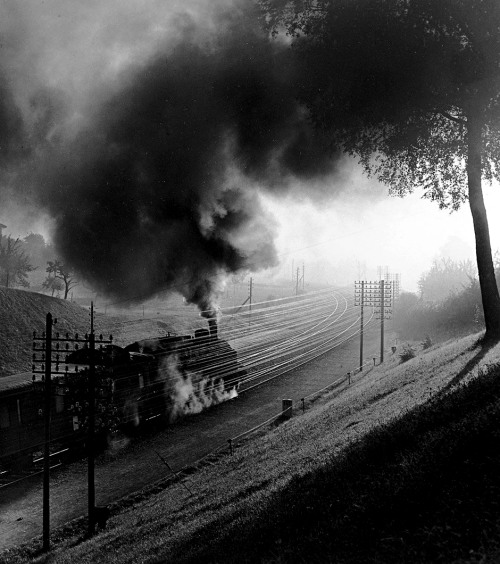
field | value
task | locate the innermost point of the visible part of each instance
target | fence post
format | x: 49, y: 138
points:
x: 349, y: 378
x: 230, y: 441
x: 303, y: 404
x: 287, y: 405
x: 374, y: 360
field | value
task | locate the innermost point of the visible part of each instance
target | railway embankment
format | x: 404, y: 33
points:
x: 23, y: 312
x: 400, y: 467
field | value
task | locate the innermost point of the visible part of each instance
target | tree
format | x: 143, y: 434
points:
x: 39, y: 251
x: 411, y: 88
x: 446, y: 277
x: 54, y: 284
x: 59, y: 276
x: 14, y: 264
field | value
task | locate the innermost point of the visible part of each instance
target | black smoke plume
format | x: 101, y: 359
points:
x: 154, y: 186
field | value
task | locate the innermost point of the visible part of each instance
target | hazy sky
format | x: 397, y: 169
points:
x: 405, y: 234
x: 82, y: 78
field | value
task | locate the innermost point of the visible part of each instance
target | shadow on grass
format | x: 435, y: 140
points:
x: 422, y: 488
x: 485, y: 347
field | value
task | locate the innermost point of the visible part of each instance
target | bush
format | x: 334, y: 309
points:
x: 407, y: 353
x: 427, y: 342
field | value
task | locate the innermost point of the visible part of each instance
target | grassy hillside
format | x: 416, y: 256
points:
x: 401, y: 467
x: 23, y: 312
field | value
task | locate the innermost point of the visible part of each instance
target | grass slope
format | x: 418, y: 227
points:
x: 23, y: 312
x: 401, y: 467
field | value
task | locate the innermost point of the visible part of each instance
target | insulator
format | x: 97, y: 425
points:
x: 111, y: 337
x: 57, y: 358
x: 33, y: 367
x: 86, y: 336
x: 76, y: 335
x: 33, y: 377
x: 43, y: 335
x: 34, y: 356
x: 66, y: 368
x: 76, y: 347
x: 43, y: 377
x: 34, y: 334
x: 57, y: 334
x: 67, y: 335
x: 43, y: 356
x: 54, y: 322
x: 100, y: 337
x: 57, y: 346
x: 67, y: 346
x: 43, y: 366
x: 34, y: 345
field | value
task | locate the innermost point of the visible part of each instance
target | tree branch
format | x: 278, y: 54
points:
x: 453, y: 118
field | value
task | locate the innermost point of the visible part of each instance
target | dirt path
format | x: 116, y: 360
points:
x: 136, y: 465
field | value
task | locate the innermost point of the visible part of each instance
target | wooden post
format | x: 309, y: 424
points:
x: 91, y: 430
x: 361, y: 335
x: 287, y: 405
x: 46, y: 455
x: 382, y: 315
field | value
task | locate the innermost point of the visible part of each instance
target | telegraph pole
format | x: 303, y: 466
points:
x: 297, y: 283
x: 46, y: 454
x: 48, y: 371
x: 250, y: 288
x: 382, y: 315
x: 361, y: 333
x: 376, y: 295
x: 91, y: 429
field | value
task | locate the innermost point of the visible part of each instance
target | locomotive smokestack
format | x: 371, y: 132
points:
x: 212, y: 327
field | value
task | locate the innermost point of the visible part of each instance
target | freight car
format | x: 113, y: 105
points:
x: 150, y: 381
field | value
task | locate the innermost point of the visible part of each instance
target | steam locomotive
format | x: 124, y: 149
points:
x: 152, y: 381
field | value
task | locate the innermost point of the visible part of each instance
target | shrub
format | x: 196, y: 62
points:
x: 407, y: 353
x: 427, y: 342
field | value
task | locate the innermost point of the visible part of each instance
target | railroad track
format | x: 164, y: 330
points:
x: 285, y: 338
x: 270, y: 342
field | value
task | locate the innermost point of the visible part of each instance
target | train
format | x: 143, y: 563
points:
x: 147, y: 383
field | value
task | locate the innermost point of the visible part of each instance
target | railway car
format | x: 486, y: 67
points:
x: 149, y: 381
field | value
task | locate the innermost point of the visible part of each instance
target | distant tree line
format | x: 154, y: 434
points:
x: 22, y: 259
x: 449, y: 303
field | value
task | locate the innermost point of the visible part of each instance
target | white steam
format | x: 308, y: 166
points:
x: 189, y: 392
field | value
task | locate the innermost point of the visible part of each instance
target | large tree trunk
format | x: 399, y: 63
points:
x: 489, y: 289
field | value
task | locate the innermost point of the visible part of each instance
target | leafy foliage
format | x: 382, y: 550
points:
x: 458, y: 314
x: 412, y: 89
x: 407, y: 353
x: 427, y: 342
x: 59, y: 277
x: 401, y: 110
x: 14, y: 264
x: 446, y: 277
